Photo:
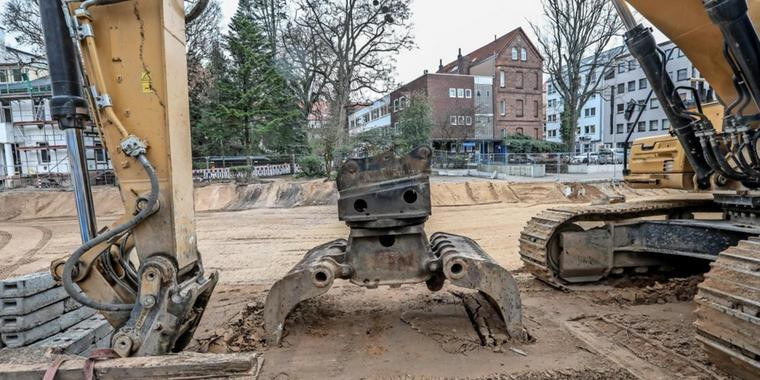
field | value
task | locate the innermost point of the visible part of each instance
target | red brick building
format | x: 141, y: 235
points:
x: 480, y: 97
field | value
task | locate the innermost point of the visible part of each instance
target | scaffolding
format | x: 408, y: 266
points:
x: 35, y: 150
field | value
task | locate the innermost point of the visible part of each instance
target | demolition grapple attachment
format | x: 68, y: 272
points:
x: 385, y: 200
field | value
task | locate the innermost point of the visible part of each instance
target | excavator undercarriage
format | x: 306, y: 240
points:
x: 712, y: 152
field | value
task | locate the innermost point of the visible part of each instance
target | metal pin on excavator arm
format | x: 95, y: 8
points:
x: 385, y: 200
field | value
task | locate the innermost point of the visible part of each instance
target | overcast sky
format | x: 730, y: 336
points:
x: 443, y: 26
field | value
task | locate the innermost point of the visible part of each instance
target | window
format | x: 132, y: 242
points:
x: 632, y: 86
x: 620, y: 108
x: 538, y: 82
x: 520, y: 108
x: 514, y: 54
x: 375, y: 114
x: 503, y: 107
x: 395, y: 105
x: 552, y: 102
x: 519, y: 131
x: 503, y: 133
x: 3, y: 76
x: 100, y: 153
x: 589, y: 112
x: 468, y: 120
x: 680, y: 53
x: 460, y: 120
x: 453, y: 120
x: 395, y: 126
x: 550, y: 88
x: 629, y: 127
x: 535, y: 109
x: 402, y: 102
x: 468, y: 93
x: 460, y: 93
x: 609, y: 75
x: 621, y: 67
x: 642, y: 126
x: 365, y: 118
x: 452, y: 93
x: 642, y: 83
x: 520, y: 79
x: 632, y: 65
x: 502, y: 78
x: 523, y: 54
x: 683, y: 74
x: 44, y: 152
x: 665, y: 124
x: 621, y: 88
x: 654, y: 103
x: 17, y: 75
x: 654, y: 125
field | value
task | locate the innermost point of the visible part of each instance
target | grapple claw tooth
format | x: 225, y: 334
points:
x: 466, y: 265
x: 311, y: 277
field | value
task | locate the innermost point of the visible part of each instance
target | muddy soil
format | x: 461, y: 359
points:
x: 617, y: 330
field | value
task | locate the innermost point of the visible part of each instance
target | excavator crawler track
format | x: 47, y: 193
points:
x: 541, y: 232
x: 728, y: 316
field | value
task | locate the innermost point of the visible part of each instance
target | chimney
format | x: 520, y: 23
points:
x: 463, y: 65
x: 440, y: 65
x: 425, y: 72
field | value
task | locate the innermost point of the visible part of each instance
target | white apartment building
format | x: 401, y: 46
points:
x: 591, y: 122
x: 588, y: 136
x: 602, y: 123
x: 31, y: 144
x: 374, y: 116
x: 626, y: 84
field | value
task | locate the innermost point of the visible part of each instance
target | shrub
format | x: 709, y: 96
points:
x: 311, y: 166
x: 517, y: 143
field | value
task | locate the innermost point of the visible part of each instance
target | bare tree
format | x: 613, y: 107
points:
x: 202, y: 34
x: 361, y: 38
x: 270, y: 14
x: 308, y: 65
x: 573, y: 41
x: 22, y: 18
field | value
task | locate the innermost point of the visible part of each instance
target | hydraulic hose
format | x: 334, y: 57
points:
x: 144, y: 213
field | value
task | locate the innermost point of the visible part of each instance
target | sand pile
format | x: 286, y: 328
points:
x: 31, y: 204
x: 53, y: 204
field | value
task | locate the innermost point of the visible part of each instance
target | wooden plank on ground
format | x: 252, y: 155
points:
x: 186, y: 365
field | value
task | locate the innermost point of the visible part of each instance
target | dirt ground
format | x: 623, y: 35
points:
x: 632, y: 329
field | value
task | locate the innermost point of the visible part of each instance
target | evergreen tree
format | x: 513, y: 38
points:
x: 256, y: 101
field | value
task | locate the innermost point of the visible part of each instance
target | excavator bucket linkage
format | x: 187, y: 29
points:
x: 385, y: 200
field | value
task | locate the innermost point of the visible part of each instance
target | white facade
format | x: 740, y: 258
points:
x: 30, y: 142
x: 588, y: 136
x: 602, y: 122
x: 374, y: 116
x: 627, y: 84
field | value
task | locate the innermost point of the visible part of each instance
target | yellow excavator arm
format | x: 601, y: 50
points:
x: 143, y: 272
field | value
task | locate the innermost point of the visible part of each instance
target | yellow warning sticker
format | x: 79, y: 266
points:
x: 146, y: 82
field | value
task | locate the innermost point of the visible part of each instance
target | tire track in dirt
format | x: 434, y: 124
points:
x: 5, y: 237
x: 30, y: 255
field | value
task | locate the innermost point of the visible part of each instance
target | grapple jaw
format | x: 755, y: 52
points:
x: 385, y: 200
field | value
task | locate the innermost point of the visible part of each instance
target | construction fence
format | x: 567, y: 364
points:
x: 562, y: 167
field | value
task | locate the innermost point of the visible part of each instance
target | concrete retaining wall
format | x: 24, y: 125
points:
x: 532, y: 171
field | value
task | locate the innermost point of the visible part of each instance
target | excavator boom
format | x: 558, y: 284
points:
x: 121, y: 65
